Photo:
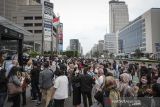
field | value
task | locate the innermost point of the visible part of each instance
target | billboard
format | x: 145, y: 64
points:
x: 60, y: 37
x: 48, y: 17
x: 48, y: 10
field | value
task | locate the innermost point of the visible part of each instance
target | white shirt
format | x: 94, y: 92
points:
x: 99, y: 81
x: 61, y: 85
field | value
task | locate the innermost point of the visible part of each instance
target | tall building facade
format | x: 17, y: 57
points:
x: 7, y: 7
x: 35, y: 16
x: 94, y: 49
x: 118, y: 15
x: 100, y: 46
x: 111, y: 43
x: 30, y: 17
x: 143, y: 33
x: 74, y: 45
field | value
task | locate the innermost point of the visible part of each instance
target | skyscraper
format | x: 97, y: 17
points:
x: 74, y: 44
x: 118, y: 15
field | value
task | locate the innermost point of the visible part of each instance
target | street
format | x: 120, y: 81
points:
x: 30, y: 103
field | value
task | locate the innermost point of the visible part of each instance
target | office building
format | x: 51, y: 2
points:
x: 7, y: 7
x: 74, y: 44
x: 30, y: 17
x: 100, y: 46
x: 143, y: 33
x: 111, y: 43
x: 118, y: 15
x: 36, y: 17
x: 94, y: 49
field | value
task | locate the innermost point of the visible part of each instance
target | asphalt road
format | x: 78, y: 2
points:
x: 30, y: 103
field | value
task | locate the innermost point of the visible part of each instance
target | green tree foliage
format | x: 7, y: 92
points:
x: 138, y: 53
x: 33, y: 54
x: 71, y: 53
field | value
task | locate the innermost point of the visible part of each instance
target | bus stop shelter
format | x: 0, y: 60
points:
x: 10, y: 31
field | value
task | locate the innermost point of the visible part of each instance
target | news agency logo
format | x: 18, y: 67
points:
x: 120, y: 103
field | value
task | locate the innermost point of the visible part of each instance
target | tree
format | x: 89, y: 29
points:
x: 96, y: 54
x: 138, y: 53
x: 111, y: 55
x: 106, y: 52
x: 71, y: 53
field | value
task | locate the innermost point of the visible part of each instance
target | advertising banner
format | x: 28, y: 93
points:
x: 48, y: 17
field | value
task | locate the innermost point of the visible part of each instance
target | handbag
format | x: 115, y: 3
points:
x: 13, y: 88
x: 99, y: 96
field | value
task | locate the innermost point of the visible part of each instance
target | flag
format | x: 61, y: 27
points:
x: 55, y: 20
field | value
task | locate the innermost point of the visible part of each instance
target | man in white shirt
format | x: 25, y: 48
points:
x: 60, y: 90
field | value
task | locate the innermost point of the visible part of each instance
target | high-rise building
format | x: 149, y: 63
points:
x: 143, y: 33
x: 94, y: 49
x: 100, y: 46
x: 111, y: 43
x: 118, y: 15
x: 30, y: 17
x: 74, y: 44
x: 36, y: 16
x: 7, y: 7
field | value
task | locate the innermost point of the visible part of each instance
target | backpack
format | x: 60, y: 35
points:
x: 111, y: 98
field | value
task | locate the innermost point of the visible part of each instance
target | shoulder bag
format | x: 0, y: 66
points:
x: 13, y: 88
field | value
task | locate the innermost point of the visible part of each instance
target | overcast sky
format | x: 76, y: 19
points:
x: 88, y: 20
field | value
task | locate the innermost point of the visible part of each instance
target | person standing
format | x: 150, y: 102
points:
x: 60, y: 89
x: 86, y: 82
x: 46, y: 83
x: 13, y: 78
x: 3, y: 87
x: 75, y: 79
x: 36, y: 94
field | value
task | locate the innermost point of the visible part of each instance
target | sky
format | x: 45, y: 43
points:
x: 88, y: 20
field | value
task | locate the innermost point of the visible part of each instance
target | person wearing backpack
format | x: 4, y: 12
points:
x: 111, y: 93
x: 13, y: 78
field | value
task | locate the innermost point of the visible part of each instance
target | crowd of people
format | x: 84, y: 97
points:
x: 89, y: 82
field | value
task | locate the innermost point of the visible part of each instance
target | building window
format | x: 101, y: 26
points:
x: 30, y: 31
x: 28, y: 18
x: 38, y: 31
x: 38, y: 24
x: 38, y: 17
x: 28, y: 24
